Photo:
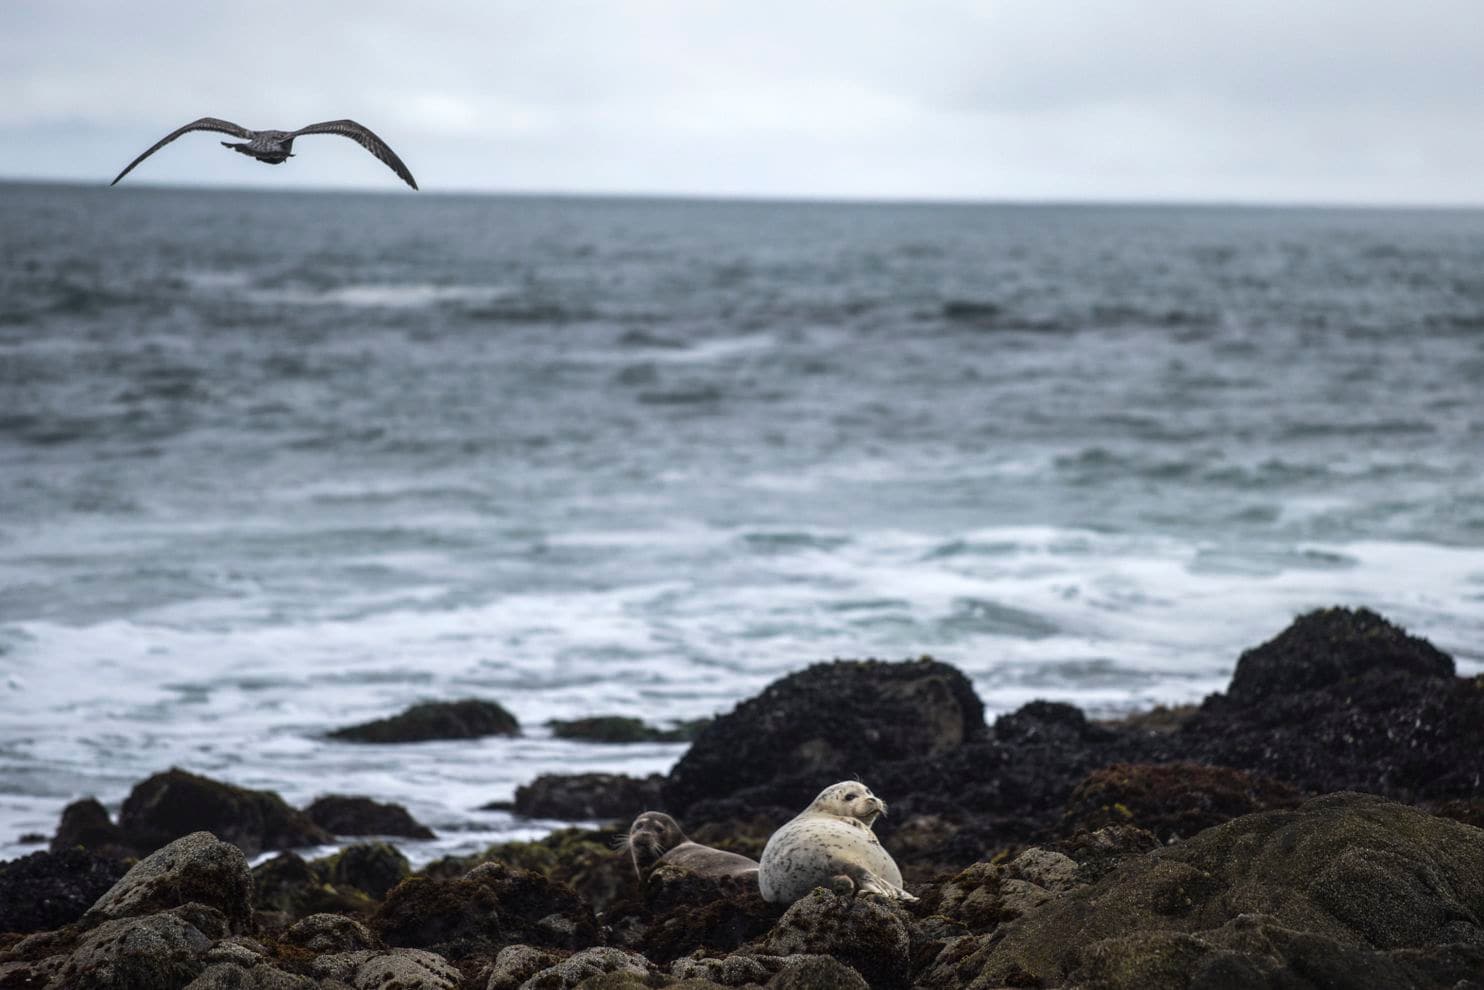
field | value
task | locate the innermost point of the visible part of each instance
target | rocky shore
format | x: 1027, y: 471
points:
x: 1316, y: 825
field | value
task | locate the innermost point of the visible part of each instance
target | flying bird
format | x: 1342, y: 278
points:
x: 275, y: 147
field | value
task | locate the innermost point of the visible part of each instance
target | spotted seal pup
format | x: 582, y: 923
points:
x: 655, y: 839
x: 830, y: 844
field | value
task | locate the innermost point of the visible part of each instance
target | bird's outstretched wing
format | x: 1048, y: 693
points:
x: 204, y: 124
x: 363, y: 137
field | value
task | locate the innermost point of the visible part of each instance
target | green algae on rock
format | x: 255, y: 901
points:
x: 1363, y: 879
x: 623, y: 729
x: 470, y: 718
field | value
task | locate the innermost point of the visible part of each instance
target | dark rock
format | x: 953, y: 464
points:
x: 719, y: 926
x: 514, y: 965
x: 195, y: 869
x: 389, y: 969
x: 457, y: 919
x: 865, y: 933
x: 583, y: 859
x: 232, y: 975
x: 176, y: 803
x: 535, y: 910
x: 1359, y: 885
x: 588, y: 796
x: 668, y: 887
x: 1099, y: 853
x: 48, y: 890
x: 85, y: 824
x: 467, y: 719
x: 1328, y: 646
x: 343, y: 815
x: 816, y: 973
x: 1399, y: 731
x: 987, y: 894
x: 622, y: 729
x: 330, y: 933
x: 295, y: 888
x: 161, y: 950
x: 597, y: 961
x: 827, y: 723
x: 1171, y: 800
x: 373, y: 867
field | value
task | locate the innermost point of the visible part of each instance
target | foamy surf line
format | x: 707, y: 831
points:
x: 1109, y: 622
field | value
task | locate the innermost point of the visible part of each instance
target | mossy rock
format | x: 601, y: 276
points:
x: 169, y: 805
x: 467, y: 719
x: 622, y: 729
x: 1172, y: 800
x: 1328, y: 646
x: 1359, y: 879
x: 353, y: 815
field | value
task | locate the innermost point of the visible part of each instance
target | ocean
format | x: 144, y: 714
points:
x: 275, y: 463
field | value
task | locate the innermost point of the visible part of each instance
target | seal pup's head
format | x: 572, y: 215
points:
x: 653, y: 834
x: 849, y: 799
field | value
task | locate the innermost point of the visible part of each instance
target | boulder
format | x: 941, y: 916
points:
x: 389, y: 969
x: 580, y: 966
x: 718, y: 926
x: 176, y: 803
x: 467, y: 719
x: 586, y: 796
x: 535, y: 910
x: 1347, y: 885
x: 1172, y: 800
x: 669, y: 887
x: 325, y: 933
x: 583, y: 859
x: 816, y: 973
x: 1328, y: 647
x: 866, y: 933
x: 342, y: 815
x: 86, y: 824
x: 514, y: 965
x: 622, y: 729
x: 197, y: 868
x: 161, y: 950
x: 372, y: 867
x: 47, y: 890
x: 239, y: 976
x: 1344, y: 700
x: 295, y: 888
x: 826, y: 723
x: 456, y: 918
x: 985, y: 895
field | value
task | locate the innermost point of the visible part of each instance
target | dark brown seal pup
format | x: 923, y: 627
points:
x: 655, y: 839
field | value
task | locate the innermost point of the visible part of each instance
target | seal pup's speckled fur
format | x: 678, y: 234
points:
x: 655, y: 839
x: 830, y: 844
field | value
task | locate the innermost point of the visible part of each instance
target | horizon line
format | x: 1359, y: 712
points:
x: 1111, y: 202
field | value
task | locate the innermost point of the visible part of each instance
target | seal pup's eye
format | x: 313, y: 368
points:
x: 851, y: 796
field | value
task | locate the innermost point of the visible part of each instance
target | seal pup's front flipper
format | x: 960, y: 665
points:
x: 869, y: 883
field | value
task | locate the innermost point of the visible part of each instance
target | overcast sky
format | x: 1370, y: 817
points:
x: 1356, y: 101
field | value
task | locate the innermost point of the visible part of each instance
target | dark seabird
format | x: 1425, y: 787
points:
x: 275, y: 147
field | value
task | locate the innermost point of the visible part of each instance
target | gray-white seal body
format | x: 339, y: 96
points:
x: 831, y: 839
x: 655, y: 840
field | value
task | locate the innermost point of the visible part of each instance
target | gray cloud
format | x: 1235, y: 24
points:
x: 1308, y: 100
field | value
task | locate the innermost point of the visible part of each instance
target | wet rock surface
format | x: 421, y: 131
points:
x: 1173, y: 849
x: 195, y: 869
x: 342, y: 815
x: 48, y: 890
x: 827, y: 723
x: 467, y: 719
x: 588, y: 796
x: 622, y: 729
x: 176, y: 803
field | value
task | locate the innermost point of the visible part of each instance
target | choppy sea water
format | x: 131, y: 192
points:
x: 275, y: 463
